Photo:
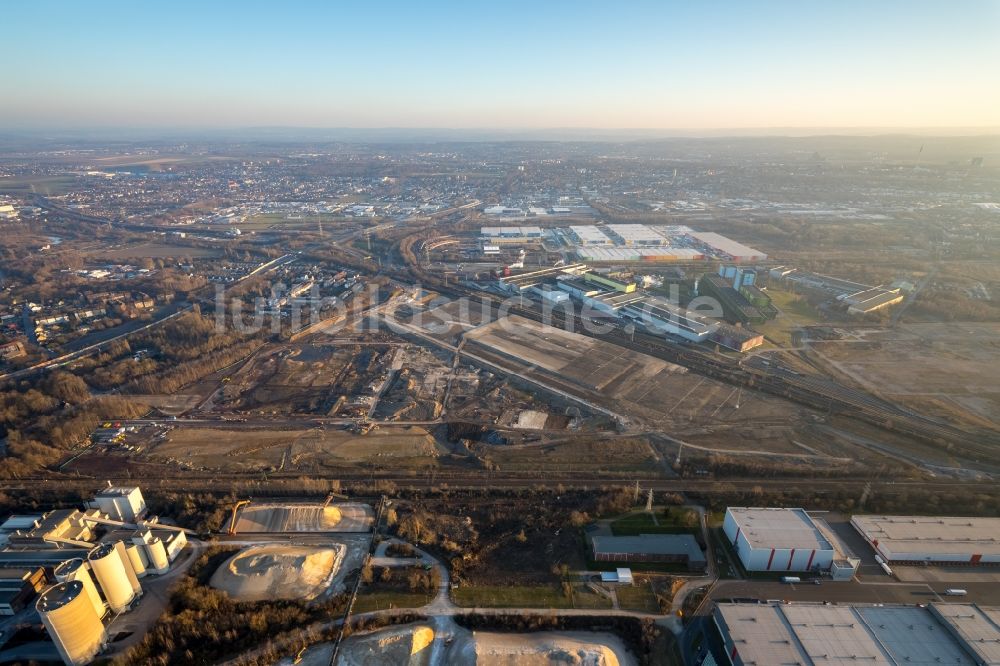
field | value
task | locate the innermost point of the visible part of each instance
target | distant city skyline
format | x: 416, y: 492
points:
x: 514, y: 65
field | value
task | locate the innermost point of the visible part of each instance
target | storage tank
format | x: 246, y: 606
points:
x: 157, y: 551
x: 69, y: 617
x: 113, y: 575
x: 136, y: 555
x: 77, y: 569
x: 133, y: 580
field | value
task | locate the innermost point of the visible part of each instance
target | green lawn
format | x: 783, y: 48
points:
x: 492, y: 596
x: 583, y: 597
x: 638, y: 597
x: 642, y: 523
x: 795, y: 312
x: 383, y: 600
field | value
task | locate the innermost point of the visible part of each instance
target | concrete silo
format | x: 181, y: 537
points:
x: 137, y: 558
x: 77, y: 569
x: 158, y: 560
x: 114, y: 575
x: 133, y: 579
x: 74, y: 627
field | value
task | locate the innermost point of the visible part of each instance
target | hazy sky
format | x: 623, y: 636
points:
x: 501, y: 64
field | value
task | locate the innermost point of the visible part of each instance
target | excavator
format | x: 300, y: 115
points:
x: 332, y: 496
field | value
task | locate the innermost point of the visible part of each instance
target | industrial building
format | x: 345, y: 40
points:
x: 651, y: 254
x: 727, y: 247
x: 525, y: 281
x: 871, y: 300
x: 736, y: 338
x: 511, y: 235
x: 932, y: 540
x: 589, y: 234
x: 71, y: 622
x: 783, y: 540
x: 636, y: 234
x: 669, y: 548
x: 622, y: 283
x: 662, y: 316
x: 121, y: 503
x: 812, y: 633
x: 736, y: 306
x: 18, y: 586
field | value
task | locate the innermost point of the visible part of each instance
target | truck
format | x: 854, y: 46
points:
x: 791, y: 579
x: 955, y: 592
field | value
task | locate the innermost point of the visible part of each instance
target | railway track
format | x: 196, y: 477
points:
x: 817, y: 393
x: 281, y: 485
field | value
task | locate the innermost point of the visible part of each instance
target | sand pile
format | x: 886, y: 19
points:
x: 407, y: 644
x: 278, y: 572
x: 288, y: 518
x: 545, y: 648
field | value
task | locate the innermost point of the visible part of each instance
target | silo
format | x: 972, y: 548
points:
x: 136, y: 555
x: 71, y: 622
x: 158, y: 560
x: 113, y: 575
x: 76, y: 569
x: 133, y: 580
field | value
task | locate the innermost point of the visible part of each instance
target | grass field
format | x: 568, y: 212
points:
x: 638, y: 597
x: 642, y: 523
x: 155, y: 251
x: 615, y: 455
x: 795, y: 313
x: 490, y: 596
x: 375, y: 601
x: 44, y: 185
x: 219, y: 448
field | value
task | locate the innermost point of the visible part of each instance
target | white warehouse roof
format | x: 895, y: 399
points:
x: 934, y: 536
x: 636, y: 233
x: 729, y: 246
x: 768, y: 634
x: 588, y: 233
x: 779, y: 528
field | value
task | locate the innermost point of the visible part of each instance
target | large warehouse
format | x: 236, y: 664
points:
x: 937, y: 540
x: 778, y: 540
x: 766, y: 634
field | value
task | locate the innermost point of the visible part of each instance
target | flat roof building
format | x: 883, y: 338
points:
x: 678, y: 548
x: 804, y: 633
x: 727, y: 246
x: 636, y: 234
x: 778, y: 540
x: 932, y: 539
x: 589, y: 234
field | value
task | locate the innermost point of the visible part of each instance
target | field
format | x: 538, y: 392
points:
x: 307, y: 378
x: 946, y: 370
x: 652, y: 392
x: 44, y: 185
x: 581, y: 454
x: 154, y: 251
x: 795, y: 313
x: 315, y: 449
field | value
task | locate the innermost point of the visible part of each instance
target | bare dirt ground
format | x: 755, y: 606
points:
x: 947, y: 370
x: 278, y: 571
x: 287, y: 518
x: 315, y: 449
x: 658, y: 394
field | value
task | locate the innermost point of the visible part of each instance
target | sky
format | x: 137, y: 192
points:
x: 698, y: 64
